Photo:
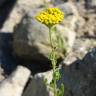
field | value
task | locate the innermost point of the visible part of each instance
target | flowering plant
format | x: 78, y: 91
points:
x: 51, y: 17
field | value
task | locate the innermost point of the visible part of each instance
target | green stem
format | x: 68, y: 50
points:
x: 54, y: 80
x: 50, y: 38
x: 53, y: 60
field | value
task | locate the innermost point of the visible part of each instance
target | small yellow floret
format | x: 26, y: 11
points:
x: 50, y: 16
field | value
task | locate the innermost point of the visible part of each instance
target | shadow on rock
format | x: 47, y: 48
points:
x: 9, y: 60
x: 5, y: 8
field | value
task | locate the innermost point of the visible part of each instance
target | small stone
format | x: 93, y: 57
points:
x: 15, y: 83
x: 37, y: 85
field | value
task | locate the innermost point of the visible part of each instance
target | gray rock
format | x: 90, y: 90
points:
x: 1, y: 69
x: 57, y: 2
x: 31, y: 37
x: 79, y: 78
x: 71, y: 14
x: 90, y: 4
x: 2, y: 77
x: 93, y: 2
x: 14, y: 84
x: 37, y: 86
x: 88, y: 17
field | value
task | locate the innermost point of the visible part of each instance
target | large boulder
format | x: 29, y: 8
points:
x: 31, y: 37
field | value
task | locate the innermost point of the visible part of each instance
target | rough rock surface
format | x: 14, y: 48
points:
x: 21, y: 7
x: 79, y: 78
x: 15, y: 83
x: 37, y: 86
x: 1, y: 74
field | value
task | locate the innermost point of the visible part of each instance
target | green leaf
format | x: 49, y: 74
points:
x: 57, y: 75
x: 60, y: 91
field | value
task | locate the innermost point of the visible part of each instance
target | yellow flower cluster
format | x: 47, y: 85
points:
x: 50, y: 16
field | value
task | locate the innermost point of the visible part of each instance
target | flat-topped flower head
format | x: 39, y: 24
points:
x: 50, y: 16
